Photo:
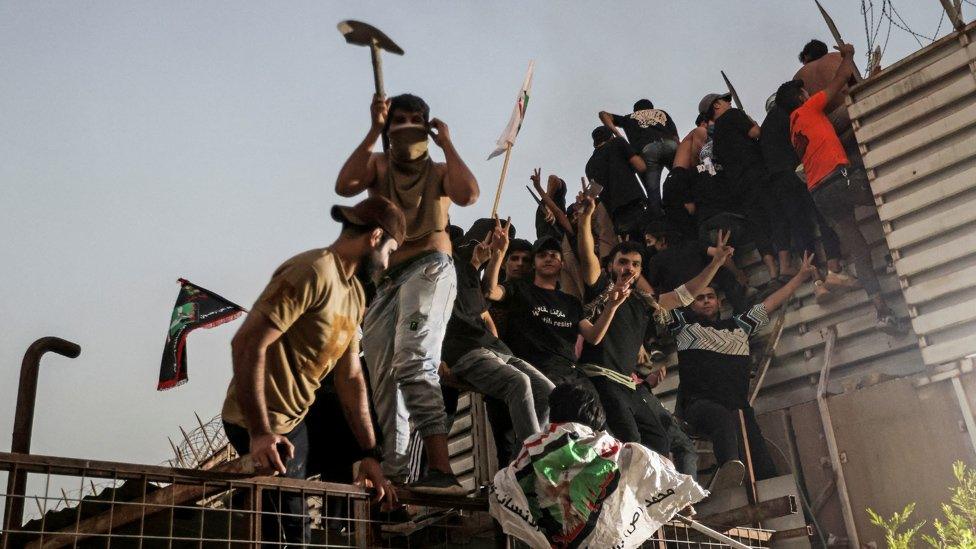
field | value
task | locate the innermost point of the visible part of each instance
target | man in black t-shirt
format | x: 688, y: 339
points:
x: 736, y: 147
x: 474, y: 355
x: 678, y: 259
x: 799, y: 212
x: 713, y: 368
x: 611, y: 363
x: 654, y: 136
x: 612, y: 165
x: 543, y: 322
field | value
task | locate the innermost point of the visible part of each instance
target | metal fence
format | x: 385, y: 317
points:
x: 143, y: 506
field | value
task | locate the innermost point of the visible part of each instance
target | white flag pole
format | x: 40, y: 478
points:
x: 501, y: 180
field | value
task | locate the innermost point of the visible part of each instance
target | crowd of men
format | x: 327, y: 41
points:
x: 633, y: 270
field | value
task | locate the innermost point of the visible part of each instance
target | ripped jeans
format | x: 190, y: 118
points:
x: 402, y: 336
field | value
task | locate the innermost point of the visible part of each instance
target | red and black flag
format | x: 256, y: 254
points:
x: 195, y: 308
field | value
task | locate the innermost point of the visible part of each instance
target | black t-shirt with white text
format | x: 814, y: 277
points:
x: 646, y: 126
x: 610, y: 167
x: 630, y: 328
x: 543, y: 324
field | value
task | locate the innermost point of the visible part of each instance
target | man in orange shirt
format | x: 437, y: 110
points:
x: 837, y: 187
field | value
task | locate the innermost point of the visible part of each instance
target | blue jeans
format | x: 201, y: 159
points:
x: 402, y: 336
x: 657, y: 155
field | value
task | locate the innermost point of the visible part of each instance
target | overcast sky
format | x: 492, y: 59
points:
x: 146, y: 141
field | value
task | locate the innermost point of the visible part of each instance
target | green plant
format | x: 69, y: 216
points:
x: 959, y: 529
x: 894, y: 537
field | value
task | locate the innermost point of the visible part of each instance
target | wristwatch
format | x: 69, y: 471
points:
x: 375, y: 452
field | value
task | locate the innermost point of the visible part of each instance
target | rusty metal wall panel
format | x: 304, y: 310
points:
x: 916, y: 124
x: 899, y: 442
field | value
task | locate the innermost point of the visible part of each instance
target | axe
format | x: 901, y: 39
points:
x: 358, y: 33
x: 836, y: 34
x: 735, y: 96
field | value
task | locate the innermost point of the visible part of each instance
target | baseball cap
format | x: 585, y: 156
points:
x: 519, y: 245
x: 375, y: 211
x: 545, y: 244
x: 706, y: 102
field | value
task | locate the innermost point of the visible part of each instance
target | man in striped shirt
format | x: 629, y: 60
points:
x: 713, y: 367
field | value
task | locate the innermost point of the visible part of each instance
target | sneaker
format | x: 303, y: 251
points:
x: 841, y: 281
x: 438, y: 483
x: 729, y: 475
x: 891, y: 325
x: 821, y: 294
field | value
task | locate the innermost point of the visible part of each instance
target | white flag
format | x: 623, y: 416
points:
x: 571, y: 486
x: 518, y: 114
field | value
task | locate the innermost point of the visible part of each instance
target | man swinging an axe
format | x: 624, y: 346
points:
x: 405, y: 324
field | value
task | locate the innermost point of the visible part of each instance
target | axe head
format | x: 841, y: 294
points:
x: 363, y: 34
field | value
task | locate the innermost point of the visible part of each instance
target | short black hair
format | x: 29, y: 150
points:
x: 703, y: 117
x: 572, y: 401
x: 518, y: 245
x: 813, y: 50
x: 789, y: 96
x: 626, y: 247
x: 409, y: 103
x: 601, y: 134
x: 643, y: 104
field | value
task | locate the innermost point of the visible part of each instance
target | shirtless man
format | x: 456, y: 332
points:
x: 404, y: 328
x: 819, y: 67
x: 678, y: 197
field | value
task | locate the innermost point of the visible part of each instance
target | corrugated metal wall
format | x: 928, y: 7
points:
x: 916, y: 124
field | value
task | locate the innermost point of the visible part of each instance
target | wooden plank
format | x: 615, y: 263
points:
x: 933, y: 225
x: 929, y: 193
x: 941, y: 353
x: 916, y: 294
x: 919, y: 138
x: 896, y: 89
x: 935, y: 161
x: 946, y: 317
x: 935, y: 256
x: 909, y: 113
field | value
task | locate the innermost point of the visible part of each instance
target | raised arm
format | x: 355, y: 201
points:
x: 460, y: 184
x: 350, y: 387
x: 844, y: 72
x: 593, y: 332
x: 248, y: 348
x: 695, y: 286
x: 607, y: 120
x: 499, y: 245
x: 549, y: 203
x: 589, y: 262
x: 782, y: 295
x: 359, y: 171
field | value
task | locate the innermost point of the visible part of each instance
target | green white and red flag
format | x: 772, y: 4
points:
x: 507, y: 139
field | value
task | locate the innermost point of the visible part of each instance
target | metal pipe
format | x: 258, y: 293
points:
x: 967, y: 411
x: 24, y: 418
x: 717, y: 536
x: 828, y: 427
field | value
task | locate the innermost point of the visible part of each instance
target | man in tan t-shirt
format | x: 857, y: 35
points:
x: 404, y: 328
x: 302, y: 327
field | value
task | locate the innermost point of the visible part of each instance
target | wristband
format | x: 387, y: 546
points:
x: 375, y: 452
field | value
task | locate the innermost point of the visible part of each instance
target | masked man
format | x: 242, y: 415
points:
x: 405, y: 325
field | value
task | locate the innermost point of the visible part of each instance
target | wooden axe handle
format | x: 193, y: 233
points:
x: 374, y: 50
